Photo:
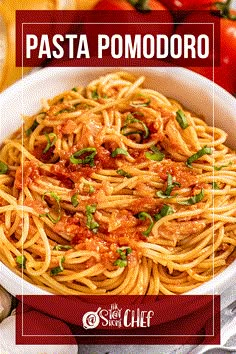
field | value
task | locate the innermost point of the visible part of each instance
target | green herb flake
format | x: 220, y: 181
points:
x: 62, y: 247
x: 74, y: 89
x: 3, y: 168
x: 74, y: 200
x: 215, y: 185
x: 89, y: 159
x: 91, y: 223
x: 91, y: 208
x: 155, y: 155
x: 181, y: 119
x: 204, y: 151
x: 131, y: 119
x: 195, y: 199
x: 21, y: 260
x: 141, y: 104
x: 121, y: 263
x: 123, y: 252
x: 89, y: 188
x: 165, y: 210
x: 169, y: 188
x: 119, y: 151
x: 29, y: 131
x: 49, y: 142
x: 218, y: 168
x: 48, y: 215
x: 133, y: 132
x: 59, y: 269
x: 143, y: 216
x: 65, y: 110
x: 123, y: 173
x: 95, y: 95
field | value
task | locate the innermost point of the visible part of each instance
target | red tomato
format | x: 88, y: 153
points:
x: 156, y: 5
x: 228, y: 42
x: 124, y: 5
x: 225, y: 74
x: 113, y: 5
x: 187, y: 4
x: 222, y: 76
x: 152, y: 4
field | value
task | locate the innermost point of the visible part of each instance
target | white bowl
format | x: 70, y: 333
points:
x: 192, y: 90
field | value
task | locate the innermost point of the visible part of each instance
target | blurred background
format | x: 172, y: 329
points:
x: 225, y: 76
x: 8, y: 71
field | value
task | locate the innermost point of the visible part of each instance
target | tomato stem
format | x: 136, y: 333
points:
x: 140, y: 5
x: 224, y: 8
x: 132, y: 2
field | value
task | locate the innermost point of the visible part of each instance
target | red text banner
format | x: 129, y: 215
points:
x: 116, y: 38
x: 185, y: 319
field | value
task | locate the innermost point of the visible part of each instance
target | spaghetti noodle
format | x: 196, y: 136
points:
x: 116, y: 189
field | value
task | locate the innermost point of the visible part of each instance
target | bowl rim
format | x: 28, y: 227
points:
x: 221, y: 281
x: 37, y: 73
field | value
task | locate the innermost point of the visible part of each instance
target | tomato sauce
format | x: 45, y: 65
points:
x: 26, y: 174
x: 68, y: 127
x: 183, y: 175
x: 103, y: 242
x: 43, y: 156
x: 69, y: 174
x: 37, y: 205
x: 104, y: 160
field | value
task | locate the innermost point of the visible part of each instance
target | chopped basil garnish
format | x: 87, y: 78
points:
x: 123, y: 173
x: 195, y: 199
x: 89, y: 159
x: 91, y: 223
x: 131, y: 119
x: 141, y: 104
x: 119, y: 151
x: 143, y: 216
x: 81, y: 105
x: 21, y: 260
x: 65, y: 110
x: 215, y: 185
x: 60, y: 268
x: 74, y: 200
x: 32, y: 128
x: 91, y: 189
x: 74, y: 89
x: 94, y: 95
x: 91, y: 208
x: 49, y: 142
x: 3, y: 168
x: 123, y: 252
x: 62, y: 247
x: 155, y: 155
x: 169, y: 188
x: 218, y: 168
x: 165, y: 210
x: 57, y: 199
x: 181, y: 119
x: 133, y: 132
x: 121, y: 263
x: 204, y: 151
x: 88, y: 188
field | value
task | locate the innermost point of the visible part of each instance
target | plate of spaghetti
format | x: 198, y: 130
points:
x: 117, y: 182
